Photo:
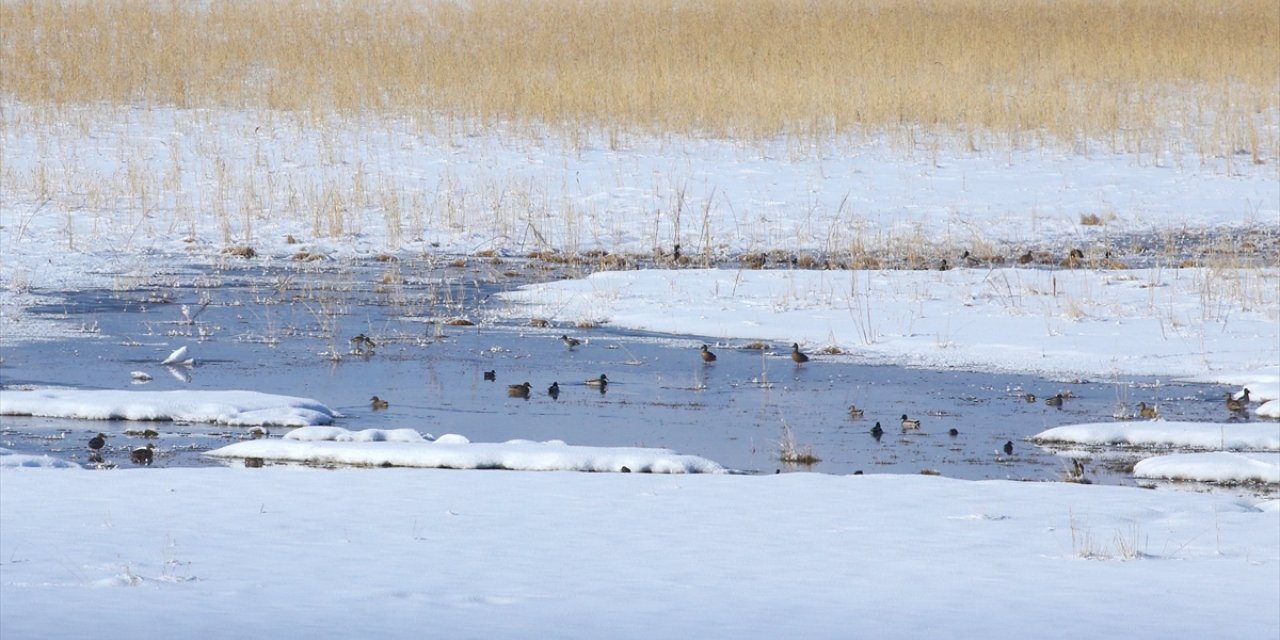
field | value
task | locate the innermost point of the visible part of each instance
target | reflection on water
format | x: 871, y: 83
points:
x: 430, y: 348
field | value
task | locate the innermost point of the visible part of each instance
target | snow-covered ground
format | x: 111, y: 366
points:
x: 233, y: 408
x: 1064, y: 323
x: 407, y: 448
x: 1214, y: 466
x: 1161, y: 433
x: 102, y: 196
x: 118, y: 198
x: 298, y: 552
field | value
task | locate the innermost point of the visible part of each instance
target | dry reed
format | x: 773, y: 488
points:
x: 997, y: 71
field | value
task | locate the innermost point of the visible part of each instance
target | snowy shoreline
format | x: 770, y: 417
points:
x: 497, y: 554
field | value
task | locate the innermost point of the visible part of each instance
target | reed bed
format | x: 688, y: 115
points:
x: 1131, y: 73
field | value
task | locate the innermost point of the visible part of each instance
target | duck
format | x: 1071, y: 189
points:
x: 554, y: 390
x: 1055, y: 401
x: 602, y: 381
x: 570, y: 342
x: 855, y: 412
x: 519, y: 390
x: 1240, y: 404
x: 908, y: 423
x: 491, y: 375
x: 1008, y: 448
x: 707, y: 356
x: 1147, y: 411
x: 362, y: 344
x: 1030, y: 397
x: 378, y: 403
x: 97, y: 442
x: 800, y: 358
x: 877, y: 431
x: 953, y: 432
x: 1077, y: 472
x: 143, y: 455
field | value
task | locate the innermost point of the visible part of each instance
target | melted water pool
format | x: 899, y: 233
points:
x: 278, y: 330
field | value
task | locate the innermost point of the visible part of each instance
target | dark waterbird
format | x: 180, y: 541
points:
x: 143, y: 455
x: 796, y: 355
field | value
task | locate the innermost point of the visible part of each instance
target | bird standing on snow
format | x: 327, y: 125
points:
x: 799, y: 358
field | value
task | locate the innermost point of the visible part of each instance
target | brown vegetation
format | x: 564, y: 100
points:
x: 1128, y: 72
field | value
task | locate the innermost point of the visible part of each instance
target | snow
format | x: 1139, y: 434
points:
x: 591, y: 190
x: 12, y: 460
x: 1214, y: 466
x: 338, y: 434
x: 1160, y: 433
x: 232, y: 408
x: 1269, y: 409
x: 1068, y: 324
x: 496, y: 554
x: 291, y: 551
x: 406, y: 448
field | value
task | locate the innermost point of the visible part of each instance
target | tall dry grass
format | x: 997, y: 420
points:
x: 1127, y: 71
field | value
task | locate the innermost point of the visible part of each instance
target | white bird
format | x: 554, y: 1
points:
x: 140, y: 376
x: 179, y: 358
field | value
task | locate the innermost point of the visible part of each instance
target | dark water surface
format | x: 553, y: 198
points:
x: 277, y: 330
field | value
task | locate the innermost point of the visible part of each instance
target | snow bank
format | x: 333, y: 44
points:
x: 338, y: 434
x: 1269, y: 409
x: 11, y: 460
x: 233, y: 408
x: 1214, y: 466
x: 1061, y: 323
x: 450, y: 451
x: 1159, y: 433
x: 295, y: 552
